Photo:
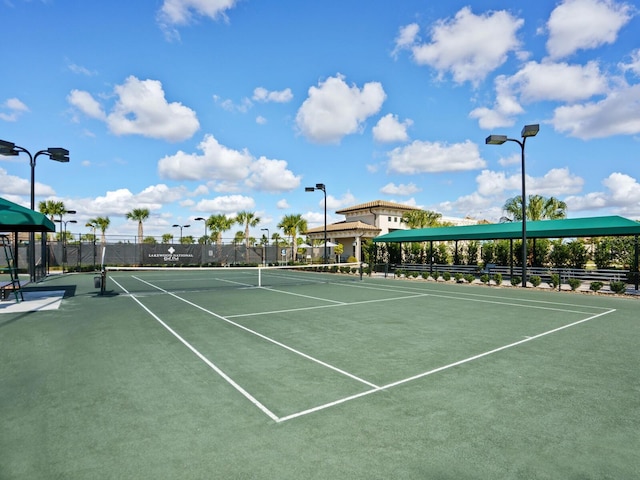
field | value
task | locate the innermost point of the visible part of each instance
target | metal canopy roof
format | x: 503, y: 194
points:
x: 14, y: 218
x: 571, y: 228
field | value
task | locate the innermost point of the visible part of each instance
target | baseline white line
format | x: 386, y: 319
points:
x: 440, y: 369
x: 211, y: 365
x: 264, y: 337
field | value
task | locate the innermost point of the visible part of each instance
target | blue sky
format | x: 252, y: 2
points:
x: 198, y: 107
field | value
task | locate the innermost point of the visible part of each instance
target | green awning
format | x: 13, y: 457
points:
x: 565, y: 228
x: 14, y: 218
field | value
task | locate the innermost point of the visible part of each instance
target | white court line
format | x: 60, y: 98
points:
x: 211, y: 365
x: 341, y: 304
x: 264, y: 337
x: 511, y: 303
x: 439, y: 369
x: 406, y: 288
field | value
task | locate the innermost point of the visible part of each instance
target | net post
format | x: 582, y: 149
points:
x: 361, y: 270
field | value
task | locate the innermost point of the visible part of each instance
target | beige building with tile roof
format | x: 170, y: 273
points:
x: 366, y: 220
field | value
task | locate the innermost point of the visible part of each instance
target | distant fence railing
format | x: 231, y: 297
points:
x: 584, y: 275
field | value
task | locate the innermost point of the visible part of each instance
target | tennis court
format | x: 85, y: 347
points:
x: 211, y: 374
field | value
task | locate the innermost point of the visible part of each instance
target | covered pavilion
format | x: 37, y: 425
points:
x: 565, y: 228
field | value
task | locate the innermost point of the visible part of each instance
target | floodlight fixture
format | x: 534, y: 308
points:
x: 530, y: 130
x: 495, y: 139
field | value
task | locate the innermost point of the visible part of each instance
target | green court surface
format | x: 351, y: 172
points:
x: 168, y: 377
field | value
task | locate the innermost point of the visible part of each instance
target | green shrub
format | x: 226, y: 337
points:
x: 357, y: 270
x: 516, y: 280
x: 535, y: 280
x: 595, y: 286
x: 414, y: 274
x: 425, y: 275
x: 469, y: 277
x: 352, y: 259
x: 574, y: 283
x: 334, y: 268
x: 497, y: 277
x: 458, y: 276
x: 398, y: 272
x: 484, y: 278
x: 555, y: 280
x: 446, y: 276
x: 617, y: 287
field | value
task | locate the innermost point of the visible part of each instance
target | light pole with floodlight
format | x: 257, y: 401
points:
x: 181, y: 227
x: 527, y: 131
x: 266, y: 250
x: 321, y: 186
x: 54, y: 153
x: 202, y: 219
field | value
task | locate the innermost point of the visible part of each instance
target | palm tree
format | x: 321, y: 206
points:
x: 538, y: 208
x: 248, y: 219
x: 102, y: 223
x: 421, y: 218
x: 292, y: 225
x: 139, y: 215
x: 52, y: 208
x: 217, y: 225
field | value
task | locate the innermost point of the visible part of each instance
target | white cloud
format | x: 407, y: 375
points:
x: 227, y: 168
x: 12, y: 185
x: 181, y: 12
x: 216, y: 162
x: 260, y: 120
x: 406, y: 37
x: 334, y: 203
x: 468, y: 46
x: 558, y: 81
x: 121, y: 201
x: 334, y: 109
x: 140, y: 109
x: 228, y: 205
x: 585, y: 24
x: 404, y: 190
x: 261, y: 94
x: 617, y: 114
x: 622, y: 196
x: 88, y: 105
x: 556, y: 182
x: 15, y: 107
x: 282, y: 204
x: 634, y: 63
x: 422, y: 156
x: 272, y: 176
x: 390, y: 129
x: 540, y: 82
x: 230, y: 106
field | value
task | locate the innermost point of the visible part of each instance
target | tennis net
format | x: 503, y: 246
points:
x: 177, y: 279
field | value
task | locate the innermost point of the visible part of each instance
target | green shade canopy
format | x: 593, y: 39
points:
x: 566, y: 228
x: 14, y: 218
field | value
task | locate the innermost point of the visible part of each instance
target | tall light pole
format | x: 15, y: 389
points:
x: 202, y: 219
x: 527, y: 131
x: 321, y: 186
x: 266, y: 250
x: 181, y: 227
x: 64, y: 236
x: 54, y: 153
